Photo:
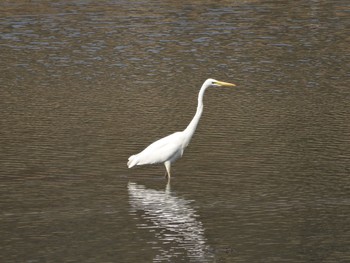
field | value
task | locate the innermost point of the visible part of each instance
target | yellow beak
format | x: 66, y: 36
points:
x: 226, y: 84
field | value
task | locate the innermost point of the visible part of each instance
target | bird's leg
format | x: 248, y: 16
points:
x: 167, y: 167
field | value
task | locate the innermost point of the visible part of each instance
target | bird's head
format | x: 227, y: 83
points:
x: 217, y: 83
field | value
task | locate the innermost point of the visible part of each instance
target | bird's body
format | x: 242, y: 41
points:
x: 170, y: 148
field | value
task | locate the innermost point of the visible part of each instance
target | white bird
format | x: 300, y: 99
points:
x: 170, y: 148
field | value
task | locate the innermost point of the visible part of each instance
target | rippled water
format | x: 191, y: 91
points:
x: 85, y: 84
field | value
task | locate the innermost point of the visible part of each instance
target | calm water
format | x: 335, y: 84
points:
x: 85, y: 84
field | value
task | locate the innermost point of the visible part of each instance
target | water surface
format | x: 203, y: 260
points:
x: 85, y: 84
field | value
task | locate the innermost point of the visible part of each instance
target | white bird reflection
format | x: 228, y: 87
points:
x: 172, y: 219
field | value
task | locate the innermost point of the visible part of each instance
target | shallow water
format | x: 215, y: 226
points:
x: 85, y: 84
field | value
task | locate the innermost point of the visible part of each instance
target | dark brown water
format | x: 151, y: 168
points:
x: 85, y: 84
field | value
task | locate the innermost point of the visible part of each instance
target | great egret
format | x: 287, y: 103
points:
x: 168, y: 149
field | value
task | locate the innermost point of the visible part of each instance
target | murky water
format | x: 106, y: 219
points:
x: 85, y: 84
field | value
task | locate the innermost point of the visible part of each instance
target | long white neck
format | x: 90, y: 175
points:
x: 191, y: 128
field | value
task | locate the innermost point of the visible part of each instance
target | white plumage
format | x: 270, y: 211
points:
x: 168, y: 149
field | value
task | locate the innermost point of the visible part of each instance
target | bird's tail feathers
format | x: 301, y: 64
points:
x: 132, y: 161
